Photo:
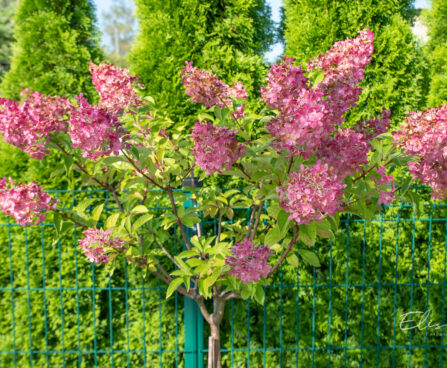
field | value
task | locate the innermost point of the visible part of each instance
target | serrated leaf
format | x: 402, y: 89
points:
x: 309, y: 257
x: 259, y: 294
x: 142, y: 220
x: 308, y: 234
x: 273, y: 236
x: 96, y: 213
x: 112, y: 220
x: 139, y: 209
x: 292, y: 259
x: 173, y: 286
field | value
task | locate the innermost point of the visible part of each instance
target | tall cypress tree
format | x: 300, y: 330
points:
x: 6, y: 33
x: 228, y: 37
x: 55, y: 40
x: 436, y: 49
x: 397, y: 75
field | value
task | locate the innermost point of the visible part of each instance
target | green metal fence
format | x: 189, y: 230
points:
x: 379, y: 300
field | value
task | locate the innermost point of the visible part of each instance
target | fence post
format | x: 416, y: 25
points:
x: 193, y: 320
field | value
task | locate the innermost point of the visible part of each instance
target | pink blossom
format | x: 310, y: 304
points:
x: 97, y: 245
x: 239, y: 113
x: 345, y: 152
x: 311, y: 194
x: 215, y: 147
x: 249, y: 263
x: 28, y: 124
x: 96, y: 131
x: 25, y: 202
x: 383, y: 183
x: 115, y: 87
x: 343, y: 66
x: 204, y: 87
x: 238, y: 91
x: 424, y: 136
x: 308, y: 113
x: 374, y: 127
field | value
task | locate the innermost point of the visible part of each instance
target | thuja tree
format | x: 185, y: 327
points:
x: 298, y: 157
x: 6, y: 32
x: 230, y: 37
x: 54, y: 43
x: 55, y: 40
x: 397, y: 77
x: 436, y: 48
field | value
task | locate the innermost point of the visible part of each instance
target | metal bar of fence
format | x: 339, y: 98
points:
x: 67, y: 314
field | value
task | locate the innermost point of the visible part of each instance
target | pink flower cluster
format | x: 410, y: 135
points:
x: 343, y: 66
x: 345, y: 152
x: 311, y: 194
x: 96, y: 131
x: 248, y: 263
x: 384, y: 182
x: 204, y: 87
x: 115, y: 87
x: 374, y: 127
x: 26, y: 203
x: 308, y: 113
x: 424, y: 135
x: 97, y: 245
x: 215, y: 147
x: 28, y: 124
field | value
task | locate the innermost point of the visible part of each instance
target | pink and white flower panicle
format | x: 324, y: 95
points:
x: 27, y: 203
x: 424, y: 135
x: 96, y: 131
x: 312, y: 194
x: 116, y: 87
x: 98, y: 245
x: 28, y: 124
x: 204, y: 87
x: 215, y: 147
x: 248, y: 263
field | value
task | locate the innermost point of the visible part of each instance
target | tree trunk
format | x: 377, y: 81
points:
x: 214, y: 358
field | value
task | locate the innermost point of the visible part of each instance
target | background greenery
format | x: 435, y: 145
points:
x: 55, y: 41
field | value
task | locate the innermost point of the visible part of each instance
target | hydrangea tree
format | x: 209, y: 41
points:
x: 296, y: 156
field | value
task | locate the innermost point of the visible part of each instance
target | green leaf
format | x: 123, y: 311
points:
x: 273, y: 236
x: 308, y: 234
x: 139, y: 209
x: 112, y: 220
x: 292, y: 259
x: 173, y: 286
x: 96, y: 213
x: 187, y: 254
x: 259, y: 294
x: 309, y: 257
x: 141, y: 221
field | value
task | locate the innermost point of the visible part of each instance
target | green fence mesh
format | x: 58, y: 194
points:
x: 378, y: 300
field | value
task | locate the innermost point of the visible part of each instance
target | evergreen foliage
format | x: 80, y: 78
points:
x: 397, y: 77
x: 436, y: 20
x: 55, y: 40
x: 227, y: 37
x: 6, y: 29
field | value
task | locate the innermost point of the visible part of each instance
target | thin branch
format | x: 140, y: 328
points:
x: 258, y: 217
x: 132, y: 162
x: 232, y: 295
x: 284, y: 255
x: 251, y: 221
x: 290, y: 165
x: 219, y: 226
x: 64, y: 215
x: 179, y: 221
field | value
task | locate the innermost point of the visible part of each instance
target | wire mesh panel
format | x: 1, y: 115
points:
x: 378, y: 300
